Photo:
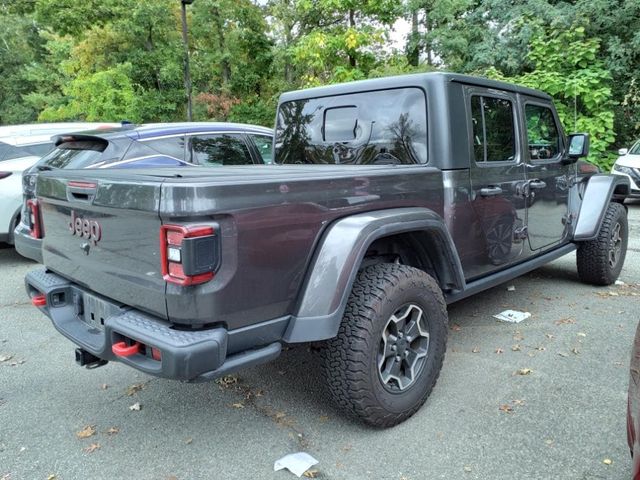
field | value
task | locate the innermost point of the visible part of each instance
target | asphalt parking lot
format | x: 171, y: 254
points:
x: 561, y: 419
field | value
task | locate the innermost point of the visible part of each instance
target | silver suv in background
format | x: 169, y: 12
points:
x: 20, y: 147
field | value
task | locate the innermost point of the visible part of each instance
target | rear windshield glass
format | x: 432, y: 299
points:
x: 9, y: 152
x: 369, y: 128
x: 75, y: 154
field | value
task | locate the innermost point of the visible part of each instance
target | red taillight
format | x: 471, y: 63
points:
x: 87, y: 185
x: 173, y: 255
x: 5, y: 174
x: 34, y: 218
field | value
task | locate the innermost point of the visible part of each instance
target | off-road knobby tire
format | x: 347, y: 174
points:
x: 593, y: 256
x: 350, y: 359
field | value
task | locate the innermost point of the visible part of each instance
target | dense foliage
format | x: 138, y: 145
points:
x: 117, y: 59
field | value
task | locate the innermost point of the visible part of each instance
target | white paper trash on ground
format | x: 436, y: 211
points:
x: 296, y: 463
x: 512, y: 316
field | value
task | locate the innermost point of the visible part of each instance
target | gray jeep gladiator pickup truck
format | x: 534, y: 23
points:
x: 390, y: 199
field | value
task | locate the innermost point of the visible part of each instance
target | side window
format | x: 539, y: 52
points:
x: 264, y: 144
x: 494, y: 137
x: 220, y: 149
x: 384, y: 127
x: 171, y: 146
x: 542, y: 132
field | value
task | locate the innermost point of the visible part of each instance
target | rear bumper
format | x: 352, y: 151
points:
x: 184, y: 355
x: 25, y: 244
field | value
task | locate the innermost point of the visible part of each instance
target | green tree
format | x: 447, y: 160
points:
x: 578, y: 81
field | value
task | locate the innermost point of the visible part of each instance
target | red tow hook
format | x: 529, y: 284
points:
x: 121, y: 349
x: 39, y: 300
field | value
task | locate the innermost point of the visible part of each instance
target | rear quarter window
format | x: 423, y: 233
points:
x: 75, y: 154
x: 368, y: 128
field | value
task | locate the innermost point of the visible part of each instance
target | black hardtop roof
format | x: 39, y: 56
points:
x: 412, y: 80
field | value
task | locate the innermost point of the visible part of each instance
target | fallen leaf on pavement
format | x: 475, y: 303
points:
x: 323, y: 418
x: 237, y: 405
x: 112, y: 430
x: 92, y: 448
x: 575, y: 351
x: 515, y: 348
x: 135, y: 388
x: 499, y: 350
x: 562, y: 354
x: 549, y: 335
x: 565, y: 321
x: 475, y: 350
x: 136, y: 407
x: 518, y: 402
x: 52, y: 476
x: 311, y: 473
x: 104, y: 386
x: 227, y: 381
x: 189, y: 441
x: 506, y: 408
x: 582, y: 334
x: 523, y: 371
x: 607, y: 461
x: 467, y: 468
x: 455, y: 327
x: 4, y: 358
x: 518, y: 336
x: 87, y: 432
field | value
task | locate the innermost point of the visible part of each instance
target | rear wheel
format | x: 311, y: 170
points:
x: 389, y: 350
x: 600, y: 260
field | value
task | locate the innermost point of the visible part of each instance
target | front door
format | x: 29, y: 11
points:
x: 497, y: 174
x: 548, y: 179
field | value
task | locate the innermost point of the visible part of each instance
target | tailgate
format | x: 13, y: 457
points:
x: 104, y: 235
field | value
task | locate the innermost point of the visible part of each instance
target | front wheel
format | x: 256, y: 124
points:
x: 600, y: 260
x: 390, y: 346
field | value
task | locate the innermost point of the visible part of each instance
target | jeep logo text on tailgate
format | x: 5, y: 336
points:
x: 89, y: 229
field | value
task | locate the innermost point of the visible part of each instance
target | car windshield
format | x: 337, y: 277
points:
x: 9, y: 152
x: 635, y: 150
x: 75, y: 154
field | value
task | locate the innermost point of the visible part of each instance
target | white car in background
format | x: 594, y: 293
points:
x: 628, y: 164
x: 20, y: 147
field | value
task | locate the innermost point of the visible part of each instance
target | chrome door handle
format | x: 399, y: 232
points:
x: 537, y: 184
x: 490, y: 191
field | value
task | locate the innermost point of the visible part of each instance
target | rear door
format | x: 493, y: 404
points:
x: 104, y: 235
x: 547, y: 178
x: 497, y: 174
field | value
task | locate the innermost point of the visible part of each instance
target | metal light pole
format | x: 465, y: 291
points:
x: 187, y: 73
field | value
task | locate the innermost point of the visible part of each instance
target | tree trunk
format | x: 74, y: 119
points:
x: 352, y: 24
x: 413, y: 50
x: 224, y: 62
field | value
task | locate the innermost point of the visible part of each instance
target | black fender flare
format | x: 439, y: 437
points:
x: 600, y: 190
x: 338, y: 257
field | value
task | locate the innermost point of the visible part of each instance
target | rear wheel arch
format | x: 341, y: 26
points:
x: 15, y: 220
x: 416, y: 237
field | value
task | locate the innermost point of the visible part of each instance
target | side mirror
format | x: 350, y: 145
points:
x: 623, y: 151
x: 578, y: 145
